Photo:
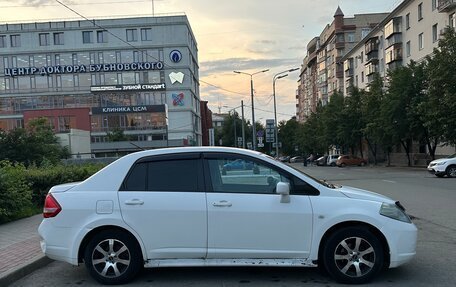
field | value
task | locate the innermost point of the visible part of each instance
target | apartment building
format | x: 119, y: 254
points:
x: 322, y: 71
x: 138, y: 75
x: 410, y: 32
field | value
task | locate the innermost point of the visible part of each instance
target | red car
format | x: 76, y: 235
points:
x: 345, y: 160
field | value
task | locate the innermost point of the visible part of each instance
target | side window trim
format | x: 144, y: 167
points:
x: 201, y: 186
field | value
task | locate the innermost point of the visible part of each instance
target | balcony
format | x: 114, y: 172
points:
x: 446, y: 5
x: 394, y: 26
x: 372, y: 57
x: 340, y: 45
x: 371, y: 46
x: 393, y: 54
x: 370, y: 69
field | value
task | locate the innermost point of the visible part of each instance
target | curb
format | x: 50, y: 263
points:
x: 22, y: 270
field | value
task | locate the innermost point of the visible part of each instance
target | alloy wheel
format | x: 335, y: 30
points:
x: 111, y: 258
x: 354, y: 257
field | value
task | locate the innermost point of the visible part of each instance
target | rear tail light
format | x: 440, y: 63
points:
x: 51, y: 207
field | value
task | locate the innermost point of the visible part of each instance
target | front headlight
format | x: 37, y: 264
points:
x: 394, y: 212
x: 441, y: 163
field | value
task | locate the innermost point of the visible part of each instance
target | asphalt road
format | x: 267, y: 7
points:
x: 431, y: 200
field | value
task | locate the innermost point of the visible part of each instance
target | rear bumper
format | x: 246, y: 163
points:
x: 57, y: 243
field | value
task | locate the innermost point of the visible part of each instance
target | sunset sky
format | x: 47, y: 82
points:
x: 244, y: 35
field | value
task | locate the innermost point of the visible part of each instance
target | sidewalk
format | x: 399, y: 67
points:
x: 20, y: 249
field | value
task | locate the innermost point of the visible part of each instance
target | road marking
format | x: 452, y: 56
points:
x: 390, y: 181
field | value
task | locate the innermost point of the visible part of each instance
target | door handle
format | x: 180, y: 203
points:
x: 222, y: 203
x: 134, y: 202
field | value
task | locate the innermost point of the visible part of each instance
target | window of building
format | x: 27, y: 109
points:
x: 66, y: 123
x: 434, y: 33
x: 14, y: 61
x: 100, y: 58
x: 102, y: 36
x: 31, y: 61
x: 420, y: 11
x: 434, y: 4
x: 118, y: 57
x: 119, y: 78
x: 92, y: 58
x: 58, y: 81
x: 136, y: 57
x: 351, y: 37
x: 2, y: 41
x: 44, y: 39
x: 407, y: 21
x: 76, y: 80
x: 74, y: 58
x: 365, y: 32
x: 15, y: 40
x: 146, y: 34
x: 87, y: 37
x: 48, y: 60
x: 132, y: 35
x: 408, y: 49
x: 362, y: 77
x: 356, y: 81
x: 58, y: 38
x: 57, y: 59
x: 453, y: 21
x: 421, y: 41
x: 32, y: 82
x: 362, y: 57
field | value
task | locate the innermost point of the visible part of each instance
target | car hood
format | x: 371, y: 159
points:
x: 362, y: 194
x: 440, y: 160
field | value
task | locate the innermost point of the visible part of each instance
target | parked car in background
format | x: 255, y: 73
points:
x: 332, y: 159
x: 284, y: 158
x: 321, y: 161
x: 238, y: 164
x: 297, y: 159
x: 176, y: 207
x: 345, y: 160
x: 443, y: 166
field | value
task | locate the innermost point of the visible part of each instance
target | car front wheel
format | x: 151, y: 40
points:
x: 451, y: 171
x: 113, y: 257
x: 353, y: 255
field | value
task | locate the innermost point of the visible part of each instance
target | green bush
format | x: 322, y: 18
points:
x: 23, y: 190
x: 15, y: 192
x: 43, y: 178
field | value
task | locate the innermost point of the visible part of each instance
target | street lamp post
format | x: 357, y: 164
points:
x: 253, y: 105
x: 277, y: 76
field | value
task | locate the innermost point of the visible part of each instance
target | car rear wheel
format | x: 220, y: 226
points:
x: 451, y: 171
x: 353, y: 255
x: 113, y: 257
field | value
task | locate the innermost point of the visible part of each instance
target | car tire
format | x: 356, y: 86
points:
x: 451, y: 171
x: 342, y: 165
x: 353, y: 255
x: 333, y: 164
x: 439, y: 175
x: 113, y: 257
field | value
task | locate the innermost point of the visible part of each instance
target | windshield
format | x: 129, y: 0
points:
x: 452, y: 156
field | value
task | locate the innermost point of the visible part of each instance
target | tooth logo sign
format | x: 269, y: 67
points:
x: 176, y: 77
x: 175, y: 56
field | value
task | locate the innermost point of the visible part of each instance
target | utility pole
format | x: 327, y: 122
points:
x: 243, y: 128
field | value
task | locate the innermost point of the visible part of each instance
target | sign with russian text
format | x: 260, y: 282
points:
x: 71, y: 69
x: 129, y: 109
x: 124, y: 88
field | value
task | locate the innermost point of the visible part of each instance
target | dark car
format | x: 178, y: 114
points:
x: 345, y: 160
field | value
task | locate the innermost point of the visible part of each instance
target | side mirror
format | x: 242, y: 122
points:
x: 283, y: 189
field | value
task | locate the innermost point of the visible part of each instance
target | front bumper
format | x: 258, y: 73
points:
x: 436, y: 169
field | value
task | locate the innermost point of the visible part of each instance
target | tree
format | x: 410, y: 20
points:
x: 288, y: 136
x: 439, y: 112
x: 34, y: 144
x: 116, y: 135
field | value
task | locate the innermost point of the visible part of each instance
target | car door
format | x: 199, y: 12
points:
x: 246, y: 218
x: 163, y: 200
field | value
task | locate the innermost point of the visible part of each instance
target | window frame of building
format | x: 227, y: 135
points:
x: 351, y: 37
x: 58, y: 38
x: 44, y: 39
x: 76, y: 80
x: 3, y: 43
x: 408, y: 48
x: 15, y: 40
x: 407, y: 21
x: 362, y: 57
x: 435, y: 33
x: 74, y: 59
x: 434, y: 5
x: 146, y: 34
x: 118, y: 57
x: 420, y: 11
x: 57, y: 59
x: 131, y: 35
x: 365, y: 32
x: 87, y: 37
x: 362, y: 77
x: 102, y: 36
x: 421, y: 41
x: 452, y: 20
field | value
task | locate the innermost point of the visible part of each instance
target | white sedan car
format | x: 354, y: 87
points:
x: 176, y: 207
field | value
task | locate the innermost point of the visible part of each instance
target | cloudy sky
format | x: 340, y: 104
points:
x: 244, y: 35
